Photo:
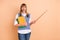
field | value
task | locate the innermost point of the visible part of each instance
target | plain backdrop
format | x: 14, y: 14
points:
x: 46, y: 28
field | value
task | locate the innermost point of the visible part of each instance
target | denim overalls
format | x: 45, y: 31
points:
x: 25, y: 36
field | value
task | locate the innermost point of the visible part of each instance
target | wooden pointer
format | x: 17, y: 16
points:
x: 40, y: 16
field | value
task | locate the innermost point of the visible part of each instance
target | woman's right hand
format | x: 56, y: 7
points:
x: 24, y: 24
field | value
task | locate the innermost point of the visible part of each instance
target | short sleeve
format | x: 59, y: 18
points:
x: 15, y: 21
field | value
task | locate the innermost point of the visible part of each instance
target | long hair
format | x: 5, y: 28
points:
x: 21, y: 8
x: 25, y: 11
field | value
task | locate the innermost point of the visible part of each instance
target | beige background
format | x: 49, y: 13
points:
x: 47, y: 28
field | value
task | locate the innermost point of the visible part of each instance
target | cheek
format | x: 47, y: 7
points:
x: 22, y: 8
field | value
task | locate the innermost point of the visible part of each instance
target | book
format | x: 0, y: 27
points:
x: 21, y: 20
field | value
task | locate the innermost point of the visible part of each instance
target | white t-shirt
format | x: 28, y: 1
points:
x: 22, y: 31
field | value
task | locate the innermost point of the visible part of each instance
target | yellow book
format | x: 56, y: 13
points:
x: 21, y: 20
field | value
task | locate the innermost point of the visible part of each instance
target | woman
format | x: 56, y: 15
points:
x: 25, y: 32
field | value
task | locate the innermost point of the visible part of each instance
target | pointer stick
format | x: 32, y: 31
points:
x: 40, y: 16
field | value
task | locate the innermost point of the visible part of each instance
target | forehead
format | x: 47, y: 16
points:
x: 23, y: 6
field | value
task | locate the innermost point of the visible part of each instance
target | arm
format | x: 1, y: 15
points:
x: 17, y: 23
x: 25, y: 24
x: 38, y: 18
x: 32, y: 22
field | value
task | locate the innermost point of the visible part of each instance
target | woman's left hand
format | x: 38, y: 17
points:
x: 33, y: 22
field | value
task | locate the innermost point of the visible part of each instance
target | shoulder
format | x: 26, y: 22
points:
x: 29, y: 14
x: 17, y: 15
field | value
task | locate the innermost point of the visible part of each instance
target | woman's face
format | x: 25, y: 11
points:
x: 24, y: 8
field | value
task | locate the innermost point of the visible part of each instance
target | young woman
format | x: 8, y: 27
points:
x: 25, y: 32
